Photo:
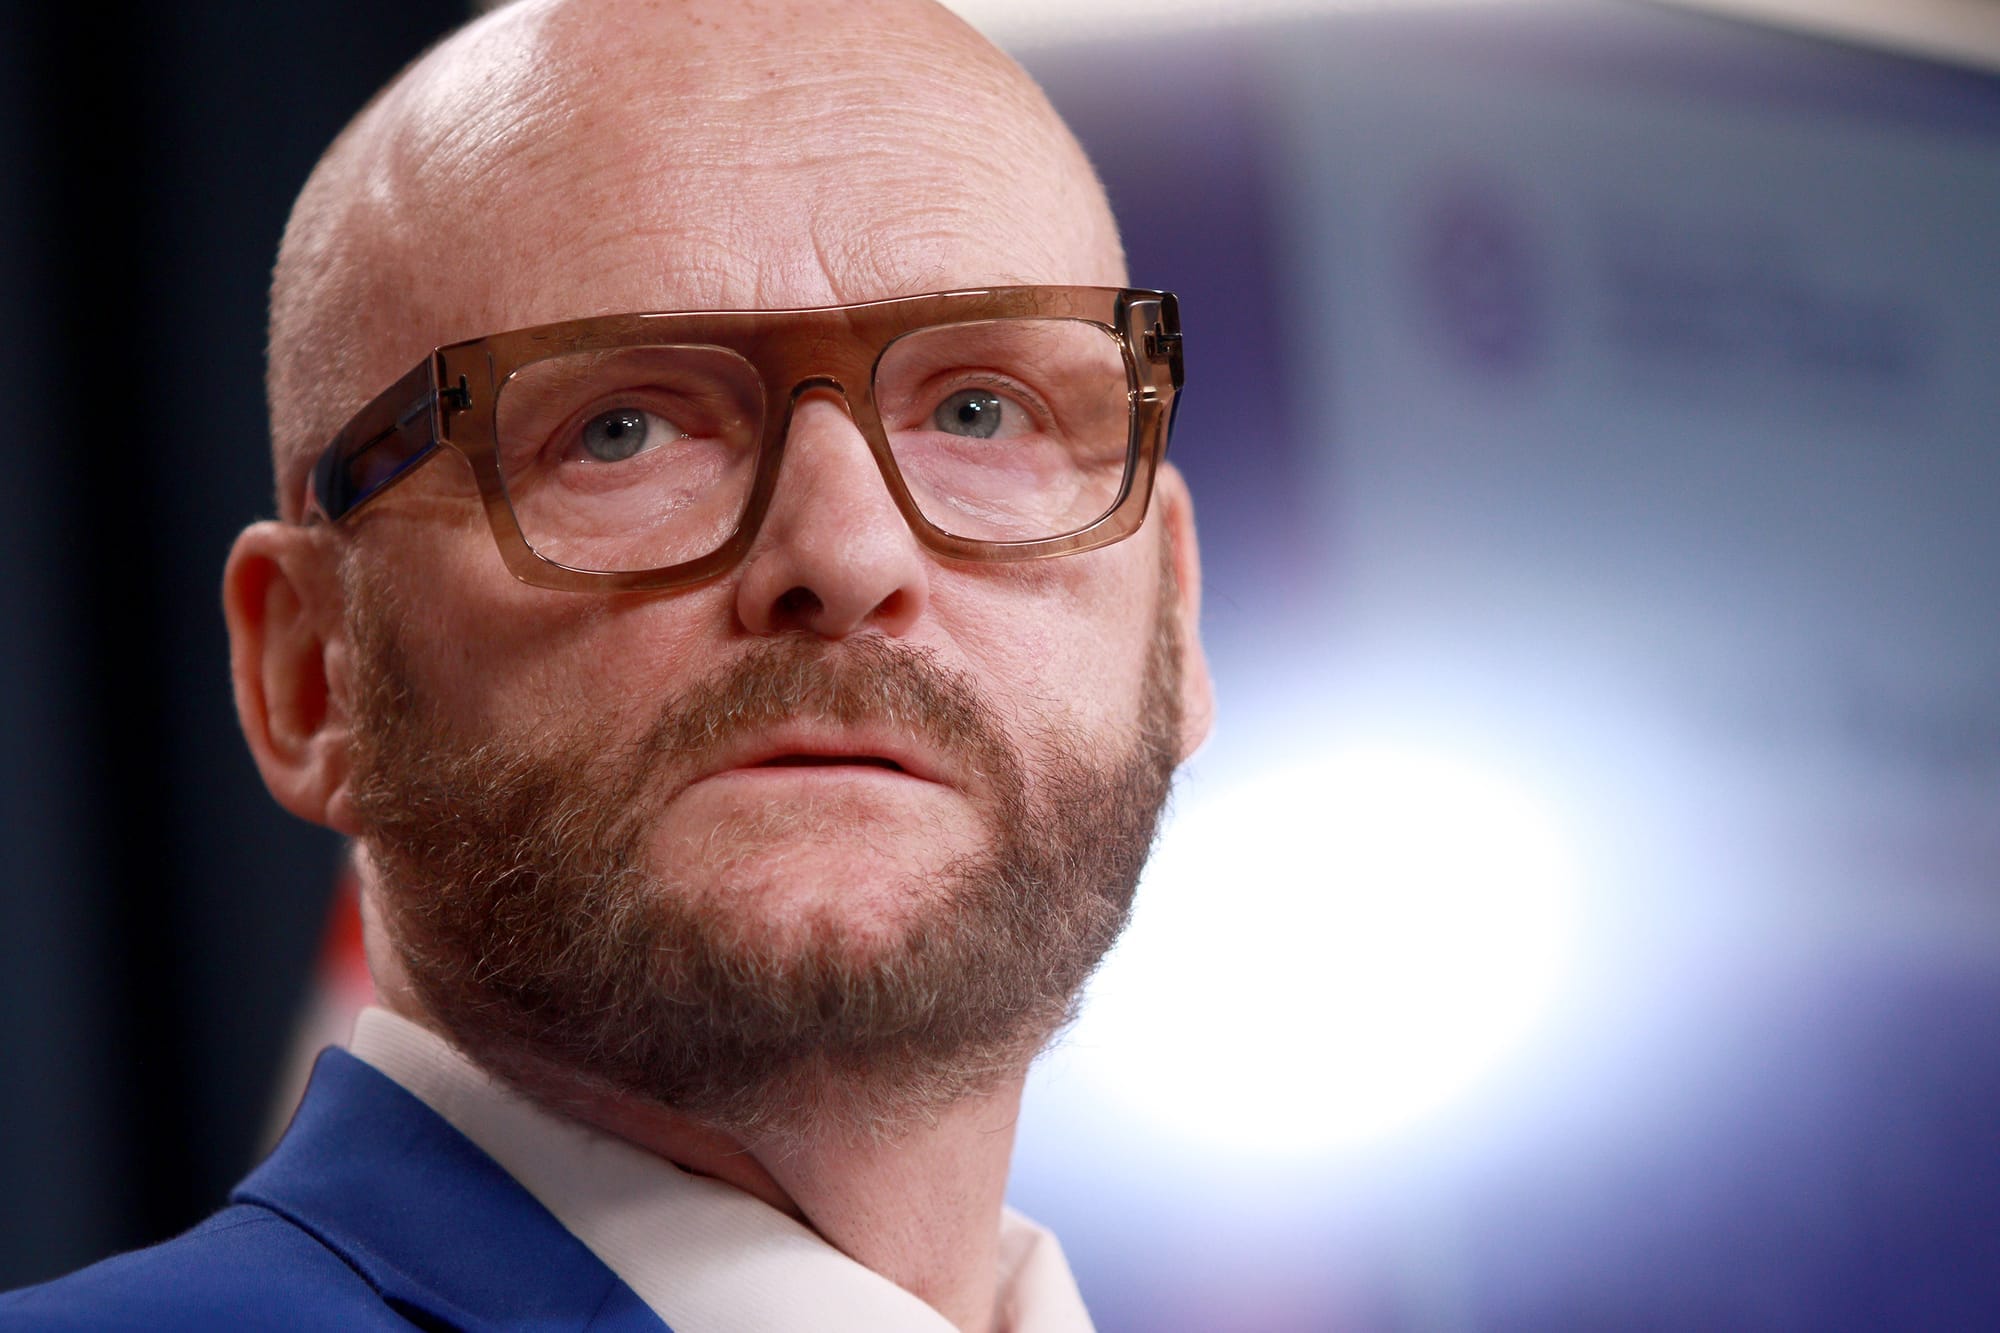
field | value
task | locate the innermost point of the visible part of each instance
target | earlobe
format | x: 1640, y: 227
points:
x: 281, y: 596
x: 1170, y: 491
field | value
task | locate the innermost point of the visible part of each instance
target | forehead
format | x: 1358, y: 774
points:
x: 728, y: 173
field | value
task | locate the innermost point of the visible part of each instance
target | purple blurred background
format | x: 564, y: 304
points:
x: 1585, y: 915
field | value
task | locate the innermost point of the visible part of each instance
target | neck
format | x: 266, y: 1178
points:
x: 922, y: 1208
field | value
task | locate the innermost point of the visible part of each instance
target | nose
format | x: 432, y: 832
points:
x: 834, y: 556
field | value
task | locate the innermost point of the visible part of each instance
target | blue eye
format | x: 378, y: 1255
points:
x: 972, y: 412
x: 614, y: 436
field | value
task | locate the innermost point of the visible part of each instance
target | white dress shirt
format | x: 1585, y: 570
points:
x: 707, y: 1257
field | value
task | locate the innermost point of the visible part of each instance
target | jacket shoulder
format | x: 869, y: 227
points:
x: 244, y: 1268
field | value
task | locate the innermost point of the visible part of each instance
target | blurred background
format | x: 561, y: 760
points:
x: 1587, y: 913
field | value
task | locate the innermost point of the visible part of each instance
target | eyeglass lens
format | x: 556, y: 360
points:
x: 634, y: 458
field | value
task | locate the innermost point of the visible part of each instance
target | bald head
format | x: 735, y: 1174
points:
x: 566, y: 158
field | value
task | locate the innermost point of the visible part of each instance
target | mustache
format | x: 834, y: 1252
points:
x: 872, y: 681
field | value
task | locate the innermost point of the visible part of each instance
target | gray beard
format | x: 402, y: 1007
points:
x: 515, y: 888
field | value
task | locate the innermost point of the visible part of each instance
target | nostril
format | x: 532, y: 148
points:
x: 896, y: 607
x: 797, y: 607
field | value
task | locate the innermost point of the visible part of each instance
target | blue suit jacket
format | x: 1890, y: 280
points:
x: 373, y: 1213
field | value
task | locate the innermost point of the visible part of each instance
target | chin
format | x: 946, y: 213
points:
x: 852, y: 895
x: 849, y: 861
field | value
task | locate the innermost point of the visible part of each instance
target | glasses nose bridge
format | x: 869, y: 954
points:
x: 807, y: 353
x: 829, y: 361
x: 860, y: 415
x: 818, y: 381
x: 833, y: 376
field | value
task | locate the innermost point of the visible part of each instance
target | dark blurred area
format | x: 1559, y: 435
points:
x: 1595, y: 385
x: 158, y: 915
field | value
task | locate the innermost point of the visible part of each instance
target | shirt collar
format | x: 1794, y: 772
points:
x: 705, y: 1256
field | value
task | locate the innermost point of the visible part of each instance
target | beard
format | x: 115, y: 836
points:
x: 518, y: 886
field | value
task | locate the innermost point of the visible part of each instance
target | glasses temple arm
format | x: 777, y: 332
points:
x: 382, y: 444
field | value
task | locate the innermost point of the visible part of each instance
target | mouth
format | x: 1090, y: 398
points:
x: 829, y: 761
x: 830, y: 752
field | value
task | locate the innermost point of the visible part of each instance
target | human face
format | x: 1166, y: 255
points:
x: 641, y: 191
x: 610, y: 178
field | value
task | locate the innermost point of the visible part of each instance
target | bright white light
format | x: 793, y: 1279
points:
x: 1963, y: 30
x: 1019, y: 24
x: 1328, y: 951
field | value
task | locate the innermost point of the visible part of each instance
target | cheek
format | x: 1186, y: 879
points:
x: 498, y: 656
x: 1065, y: 641
x: 1053, y: 643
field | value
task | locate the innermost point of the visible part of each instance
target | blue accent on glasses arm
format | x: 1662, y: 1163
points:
x: 392, y: 436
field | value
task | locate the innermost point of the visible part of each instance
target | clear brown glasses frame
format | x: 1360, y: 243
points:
x: 447, y: 401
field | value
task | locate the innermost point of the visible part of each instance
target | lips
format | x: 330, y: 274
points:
x: 831, y: 748
x: 829, y: 761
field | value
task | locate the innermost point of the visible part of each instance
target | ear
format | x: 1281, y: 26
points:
x: 1170, y: 491
x: 282, y: 598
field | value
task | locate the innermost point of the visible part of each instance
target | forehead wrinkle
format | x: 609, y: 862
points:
x: 874, y: 218
x: 714, y: 127
x: 806, y: 237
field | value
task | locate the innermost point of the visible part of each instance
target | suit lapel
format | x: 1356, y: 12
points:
x: 428, y: 1219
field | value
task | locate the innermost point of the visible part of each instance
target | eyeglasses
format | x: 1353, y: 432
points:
x: 641, y: 451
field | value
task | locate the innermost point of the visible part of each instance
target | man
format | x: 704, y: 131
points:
x: 751, y: 726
